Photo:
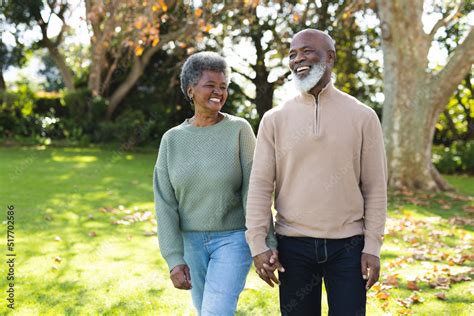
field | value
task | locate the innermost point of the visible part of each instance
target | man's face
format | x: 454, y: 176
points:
x: 308, y: 57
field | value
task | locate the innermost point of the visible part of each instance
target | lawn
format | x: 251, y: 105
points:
x: 85, y: 242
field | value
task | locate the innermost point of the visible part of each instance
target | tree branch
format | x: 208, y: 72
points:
x: 446, y: 19
x: 451, y: 124
x: 106, y: 83
x: 239, y: 90
x: 445, y: 81
x: 139, y: 65
x: 281, y: 79
x: 242, y: 74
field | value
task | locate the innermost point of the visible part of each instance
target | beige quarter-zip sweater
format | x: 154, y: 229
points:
x: 325, y: 161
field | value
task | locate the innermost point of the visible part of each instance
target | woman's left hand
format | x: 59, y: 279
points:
x: 181, y: 277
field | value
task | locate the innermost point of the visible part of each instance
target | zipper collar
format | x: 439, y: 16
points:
x: 324, y: 93
x: 310, y: 99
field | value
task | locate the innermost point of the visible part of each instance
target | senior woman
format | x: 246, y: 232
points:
x: 200, y: 185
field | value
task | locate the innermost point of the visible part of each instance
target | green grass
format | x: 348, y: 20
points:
x: 98, y: 267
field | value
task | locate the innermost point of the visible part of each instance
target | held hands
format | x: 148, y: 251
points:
x: 181, y: 277
x: 265, y: 265
x: 267, y: 262
x: 370, y: 269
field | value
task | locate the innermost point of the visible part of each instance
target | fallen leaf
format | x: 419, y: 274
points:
x: 459, y: 278
x: 458, y: 197
x: 57, y: 259
x: 57, y: 238
x: 403, y: 303
x: 416, y: 298
x: 376, y: 287
x: 441, y: 296
x: 392, y: 279
x: 382, y: 295
x: 440, y: 283
x: 411, y: 285
x: 468, y: 208
x: 404, y: 311
x: 92, y: 234
x: 458, y: 220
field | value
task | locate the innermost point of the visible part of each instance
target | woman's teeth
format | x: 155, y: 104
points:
x: 215, y: 100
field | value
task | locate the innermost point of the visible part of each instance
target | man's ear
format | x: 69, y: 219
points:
x: 332, y: 57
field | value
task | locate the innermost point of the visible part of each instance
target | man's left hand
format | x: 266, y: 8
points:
x: 370, y: 265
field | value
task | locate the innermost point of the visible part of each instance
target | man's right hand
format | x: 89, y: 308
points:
x: 265, y: 265
x: 181, y: 277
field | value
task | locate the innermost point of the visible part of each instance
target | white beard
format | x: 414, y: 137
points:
x: 315, y: 74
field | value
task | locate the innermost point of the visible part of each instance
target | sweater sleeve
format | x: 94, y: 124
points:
x: 247, y: 147
x: 166, y: 206
x: 259, y: 220
x: 373, y: 177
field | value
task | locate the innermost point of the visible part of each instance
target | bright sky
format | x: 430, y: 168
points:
x: 234, y: 54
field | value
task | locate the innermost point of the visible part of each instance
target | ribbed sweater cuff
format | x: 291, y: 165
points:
x: 174, y: 260
x: 372, y: 246
x: 257, y: 244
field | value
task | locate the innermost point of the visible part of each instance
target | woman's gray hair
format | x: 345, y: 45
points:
x: 196, y: 64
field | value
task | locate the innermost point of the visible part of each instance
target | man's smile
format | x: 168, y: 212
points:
x: 302, y: 70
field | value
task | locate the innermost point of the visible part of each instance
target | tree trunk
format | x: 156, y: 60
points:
x: 414, y: 97
x: 263, y: 89
x: 264, y: 96
x: 95, y: 75
x: 3, y: 85
x: 66, y: 72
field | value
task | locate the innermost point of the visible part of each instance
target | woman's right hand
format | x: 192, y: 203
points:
x: 181, y: 277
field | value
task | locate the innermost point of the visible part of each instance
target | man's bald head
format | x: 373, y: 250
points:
x: 316, y: 35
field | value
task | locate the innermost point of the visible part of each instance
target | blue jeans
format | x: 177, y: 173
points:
x: 307, y: 261
x: 219, y: 263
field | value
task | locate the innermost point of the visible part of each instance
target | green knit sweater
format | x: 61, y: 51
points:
x: 201, y: 180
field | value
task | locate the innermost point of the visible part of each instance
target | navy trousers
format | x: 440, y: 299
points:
x: 309, y: 261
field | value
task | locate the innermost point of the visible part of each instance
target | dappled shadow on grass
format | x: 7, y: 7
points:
x: 72, y: 186
x: 445, y: 205
x: 388, y: 255
x: 46, y: 295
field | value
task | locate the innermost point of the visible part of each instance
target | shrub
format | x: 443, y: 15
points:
x: 467, y: 156
x: 130, y: 127
x: 457, y: 158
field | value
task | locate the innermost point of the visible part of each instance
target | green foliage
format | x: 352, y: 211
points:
x: 16, y: 113
x: 456, y: 122
x: 446, y: 160
x: 54, y: 80
x: 467, y: 157
x: 457, y: 158
x: 131, y: 128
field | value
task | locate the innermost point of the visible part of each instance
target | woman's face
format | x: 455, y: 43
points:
x: 210, y: 93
